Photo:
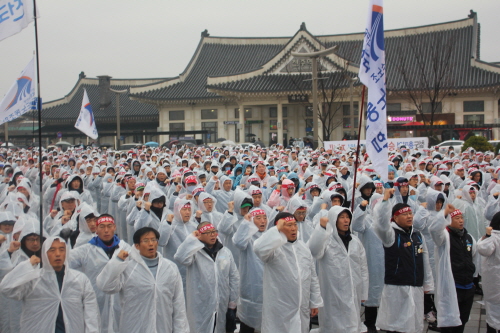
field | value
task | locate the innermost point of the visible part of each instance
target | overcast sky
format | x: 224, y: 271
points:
x: 156, y: 38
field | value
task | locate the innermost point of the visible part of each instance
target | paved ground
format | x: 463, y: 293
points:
x: 476, y: 323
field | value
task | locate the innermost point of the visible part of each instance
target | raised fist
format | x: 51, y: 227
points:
x: 323, y: 221
x: 53, y: 213
x: 34, y: 260
x: 122, y: 254
x: 147, y: 205
x: 14, y: 246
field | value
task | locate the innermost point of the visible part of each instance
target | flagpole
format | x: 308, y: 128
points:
x: 39, y: 109
x: 357, y: 146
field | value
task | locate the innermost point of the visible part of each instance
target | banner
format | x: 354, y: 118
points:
x: 372, y: 75
x: 21, y: 96
x: 15, y: 15
x: 85, y: 122
x: 392, y: 144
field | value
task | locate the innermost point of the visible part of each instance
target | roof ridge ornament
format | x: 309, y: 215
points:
x: 303, y: 27
x: 205, y: 33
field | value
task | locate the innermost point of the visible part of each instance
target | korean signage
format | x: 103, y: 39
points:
x: 231, y: 122
x: 392, y: 144
x: 298, y: 98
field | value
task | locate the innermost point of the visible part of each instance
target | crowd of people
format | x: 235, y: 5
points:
x: 200, y: 239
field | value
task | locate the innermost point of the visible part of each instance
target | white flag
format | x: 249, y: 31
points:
x: 21, y: 96
x: 15, y: 15
x: 85, y: 121
x: 372, y: 74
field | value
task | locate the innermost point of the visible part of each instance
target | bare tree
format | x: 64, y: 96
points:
x: 425, y: 66
x: 333, y: 88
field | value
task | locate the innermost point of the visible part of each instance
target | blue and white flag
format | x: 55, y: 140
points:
x: 85, y: 122
x: 372, y: 75
x: 21, y: 96
x: 15, y: 15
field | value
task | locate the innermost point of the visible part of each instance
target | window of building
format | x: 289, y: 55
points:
x: 175, y: 115
x: 347, y: 123
x: 309, y: 123
x: 273, y: 112
x: 474, y: 120
x: 212, y: 127
x: 209, y: 114
x: 346, y: 109
x: 473, y: 106
x: 356, y: 122
x: 248, y: 113
x: 176, y: 127
x: 248, y: 130
x: 427, y: 108
x: 273, y: 124
x: 393, y: 106
x: 309, y: 111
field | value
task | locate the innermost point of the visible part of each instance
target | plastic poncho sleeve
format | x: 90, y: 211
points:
x: 209, y: 188
x: 21, y: 281
x: 382, y: 224
x: 364, y: 273
x: 143, y: 219
x: 90, y: 309
x: 165, y: 231
x: 111, y: 280
x: 420, y: 218
x: 226, y: 224
x: 486, y: 247
x: 438, y: 229
x: 243, y: 236
x: 428, y: 279
x: 274, y: 199
x: 234, y: 285
x: 319, y: 240
x: 315, y: 299
x: 491, y: 207
x: 268, y: 243
x: 185, y: 254
x: 179, y: 324
x: 358, y: 220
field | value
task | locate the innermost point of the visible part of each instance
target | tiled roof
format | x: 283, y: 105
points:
x: 228, y: 57
x: 70, y: 109
x: 214, y: 59
x: 296, y: 83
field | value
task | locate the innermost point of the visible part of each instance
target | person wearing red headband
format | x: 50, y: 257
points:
x: 90, y: 258
x: 408, y: 274
x: 455, y: 269
x: 290, y: 284
x: 212, y: 281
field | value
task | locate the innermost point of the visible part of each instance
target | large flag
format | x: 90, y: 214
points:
x: 21, y: 96
x: 372, y: 75
x: 15, y: 15
x: 85, y: 121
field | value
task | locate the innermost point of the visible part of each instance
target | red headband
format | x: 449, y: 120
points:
x: 105, y: 219
x: 186, y: 205
x: 256, y: 192
x: 206, y: 227
x: 288, y: 185
x: 257, y: 212
x: 402, y: 211
x: 401, y: 184
x: 455, y: 213
x: 287, y: 219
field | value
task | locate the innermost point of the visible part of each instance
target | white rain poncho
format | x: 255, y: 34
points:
x: 172, y: 235
x: 39, y: 291
x: 107, y: 186
x: 91, y: 259
x: 230, y: 223
x: 306, y: 227
x: 212, y: 216
x: 223, y: 196
x: 401, y: 306
x: 149, y: 218
x: 34, y: 200
x: 362, y: 223
x: 85, y: 234
x: 291, y: 286
x: 54, y: 226
x: 211, y: 286
x: 251, y: 270
x: 448, y: 313
x: 473, y: 213
x: 343, y: 276
x: 489, y: 249
x: 148, y: 304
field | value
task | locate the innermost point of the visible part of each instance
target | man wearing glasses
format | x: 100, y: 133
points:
x: 90, y: 258
x: 150, y: 287
x: 212, y: 283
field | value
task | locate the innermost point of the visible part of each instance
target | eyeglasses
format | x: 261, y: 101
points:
x: 300, y: 213
x: 211, y: 233
x: 147, y: 241
x: 32, y: 240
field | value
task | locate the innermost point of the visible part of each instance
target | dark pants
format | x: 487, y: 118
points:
x: 465, y: 298
x: 245, y: 328
x: 370, y: 316
x: 490, y: 329
x: 428, y: 303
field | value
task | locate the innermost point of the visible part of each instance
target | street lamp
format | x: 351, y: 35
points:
x: 118, y: 92
x: 314, y: 57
